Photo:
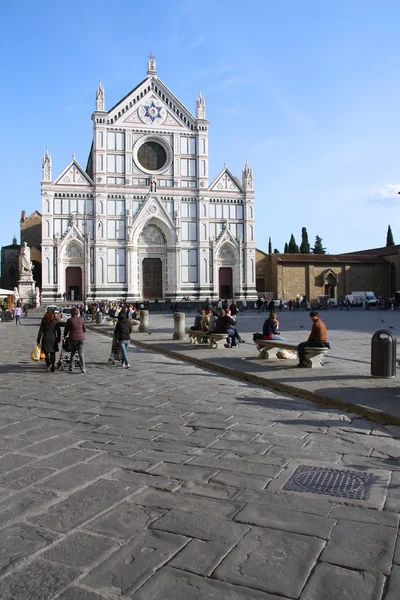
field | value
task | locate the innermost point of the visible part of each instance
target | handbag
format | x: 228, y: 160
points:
x: 42, y: 355
x: 35, y: 354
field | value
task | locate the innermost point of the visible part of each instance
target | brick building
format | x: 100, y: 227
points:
x: 289, y: 276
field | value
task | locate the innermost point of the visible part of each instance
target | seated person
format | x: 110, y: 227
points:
x: 205, y: 322
x: 270, y: 328
x: 225, y: 324
x: 198, y: 321
x: 318, y: 338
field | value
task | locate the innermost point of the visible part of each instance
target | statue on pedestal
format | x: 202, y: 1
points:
x: 25, y: 265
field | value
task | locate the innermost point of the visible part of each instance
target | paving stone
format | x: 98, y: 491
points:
x: 329, y: 582
x: 285, y: 519
x: 163, y: 456
x: 156, y: 481
x: 361, y: 546
x: 264, y: 459
x: 18, y: 505
x: 239, y: 434
x: 79, y: 550
x: 238, y: 466
x: 24, y: 477
x: 125, y: 520
x: 78, y: 593
x: 84, y: 505
x: 49, y: 446
x: 243, y: 448
x: 211, y: 490
x: 240, y: 480
x: 201, y: 557
x: 194, y: 504
x: 371, y: 462
x: 171, y: 584
x: 364, y: 515
x: 394, y: 585
x: 38, y: 580
x: 182, y: 472
x: 274, y: 561
x: 396, y: 558
x: 75, y: 477
x: 13, y: 461
x: 200, y: 527
x: 123, y: 462
x: 21, y: 541
x: 128, y: 568
x: 288, y: 501
x: 66, y: 458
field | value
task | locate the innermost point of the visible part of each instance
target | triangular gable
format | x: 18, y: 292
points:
x: 153, y: 207
x: 225, y: 182
x: 166, y: 105
x: 152, y: 111
x: 72, y: 233
x: 74, y: 175
x: 226, y: 236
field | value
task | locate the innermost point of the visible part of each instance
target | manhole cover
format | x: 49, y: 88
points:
x: 331, y: 482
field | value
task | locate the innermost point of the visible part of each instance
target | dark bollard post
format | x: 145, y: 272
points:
x: 383, y: 354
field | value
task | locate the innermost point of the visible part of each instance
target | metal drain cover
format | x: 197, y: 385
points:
x: 331, y: 482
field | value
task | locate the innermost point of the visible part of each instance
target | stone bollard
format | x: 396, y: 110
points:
x: 179, y: 326
x: 144, y: 321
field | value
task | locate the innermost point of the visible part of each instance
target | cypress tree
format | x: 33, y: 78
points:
x: 286, y: 249
x: 276, y: 251
x: 389, y: 237
x: 318, y: 247
x: 304, y: 246
x: 293, y: 247
x: 269, y: 246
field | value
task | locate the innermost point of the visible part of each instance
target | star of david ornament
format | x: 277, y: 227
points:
x: 152, y: 111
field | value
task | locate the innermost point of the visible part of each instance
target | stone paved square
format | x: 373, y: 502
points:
x: 167, y: 481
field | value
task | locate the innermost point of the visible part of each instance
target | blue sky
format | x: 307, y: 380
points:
x: 308, y: 92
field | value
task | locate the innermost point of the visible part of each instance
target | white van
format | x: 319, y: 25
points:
x: 359, y: 298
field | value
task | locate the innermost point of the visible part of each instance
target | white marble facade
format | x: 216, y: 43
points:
x: 143, y: 221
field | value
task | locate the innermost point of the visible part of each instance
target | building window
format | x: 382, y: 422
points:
x: 115, y: 230
x: 101, y: 270
x: 91, y: 265
x: 211, y: 265
x: 115, y: 140
x: 189, y: 266
x: 215, y: 229
x: 115, y: 265
x: 212, y: 211
x: 189, y: 231
x: 115, y: 163
x: 115, y: 207
x: 188, y: 167
x: 189, y: 209
x: 100, y: 162
x: 239, y: 212
x: 205, y: 270
x: 100, y: 139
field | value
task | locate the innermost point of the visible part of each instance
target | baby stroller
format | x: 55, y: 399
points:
x: 65, y: 356
x: 116, y: 353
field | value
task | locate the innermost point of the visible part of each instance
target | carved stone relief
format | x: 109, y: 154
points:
x: 152, y: 235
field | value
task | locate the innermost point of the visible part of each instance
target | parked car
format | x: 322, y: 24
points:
x: 53, y: 307
x: 66, y: 312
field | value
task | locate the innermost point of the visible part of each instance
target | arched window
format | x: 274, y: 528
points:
x: 252, y: 270
x: 47, y: 206
x: 47, y: 228
x: 204, y: 231
x: 251, y: 233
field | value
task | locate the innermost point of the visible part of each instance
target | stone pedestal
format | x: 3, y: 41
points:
x: 179, y: 326
x: 144, y: 321
x: 27, y: 291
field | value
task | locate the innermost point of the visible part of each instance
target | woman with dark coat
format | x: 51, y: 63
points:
x: 49, y: 337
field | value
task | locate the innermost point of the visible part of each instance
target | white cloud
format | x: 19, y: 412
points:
x: 387, y: 195
x: 198, y: 41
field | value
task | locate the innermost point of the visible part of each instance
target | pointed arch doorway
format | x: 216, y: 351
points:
x: 152, y: 279
x: 73, y: 283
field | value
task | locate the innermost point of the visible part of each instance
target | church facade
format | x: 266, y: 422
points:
x: 143, y: 220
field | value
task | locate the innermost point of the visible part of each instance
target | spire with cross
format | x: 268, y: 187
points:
x: 151, y: 65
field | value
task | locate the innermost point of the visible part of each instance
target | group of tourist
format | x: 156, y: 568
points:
x: 221, y: 319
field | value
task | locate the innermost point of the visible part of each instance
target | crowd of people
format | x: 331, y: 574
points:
x: 219, y: 319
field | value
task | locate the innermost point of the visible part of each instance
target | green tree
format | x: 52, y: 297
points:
x: 269, y: 246
x: 318, y: 247
x: 293, y: 247
x: 286, y: 249
x: 305, y: 245
x: 389, y: 237
x: 276, y: 251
